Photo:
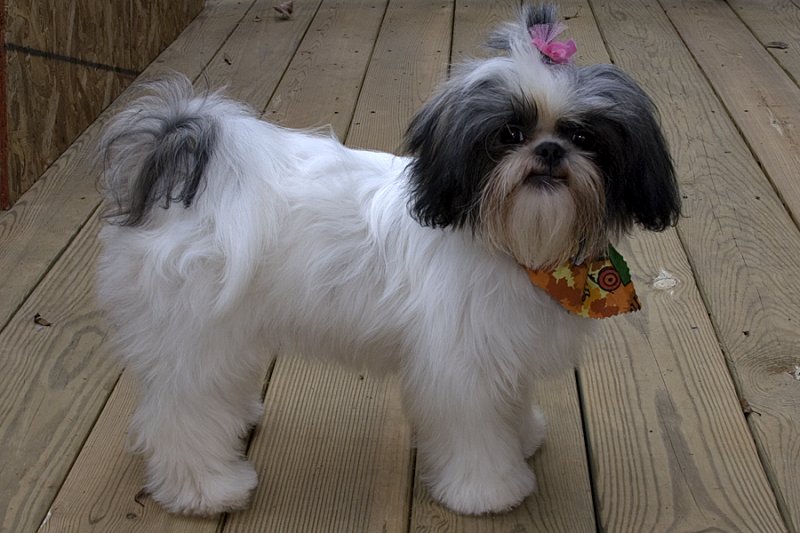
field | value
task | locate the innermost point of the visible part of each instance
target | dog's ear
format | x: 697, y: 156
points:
x: 641, y: 186
x: 448, y: 142
x: 651, y: 192
x: 440, y: 193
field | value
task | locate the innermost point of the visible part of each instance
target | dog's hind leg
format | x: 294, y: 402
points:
x: 200, y: 394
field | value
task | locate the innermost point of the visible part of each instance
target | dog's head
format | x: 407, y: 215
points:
x: 544, y: 161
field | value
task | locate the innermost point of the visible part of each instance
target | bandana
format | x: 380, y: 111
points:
x: 600, y: 288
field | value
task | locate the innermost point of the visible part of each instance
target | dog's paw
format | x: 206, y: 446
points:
x: 208, y: 492
x: 476, y: 494
x: 533, y: 431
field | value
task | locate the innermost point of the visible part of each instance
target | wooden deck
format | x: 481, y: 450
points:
x: 684, y: 417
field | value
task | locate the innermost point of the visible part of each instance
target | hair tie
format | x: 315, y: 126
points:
x: 543, y: 38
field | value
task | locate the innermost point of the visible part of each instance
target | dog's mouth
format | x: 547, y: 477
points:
x: 548, y: 180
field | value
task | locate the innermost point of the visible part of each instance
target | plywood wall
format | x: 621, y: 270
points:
x: 66, y: 61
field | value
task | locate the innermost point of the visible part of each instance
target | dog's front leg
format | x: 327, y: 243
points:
x: 468, y: 438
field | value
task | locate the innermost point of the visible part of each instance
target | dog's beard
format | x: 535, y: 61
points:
x: 542, y: 224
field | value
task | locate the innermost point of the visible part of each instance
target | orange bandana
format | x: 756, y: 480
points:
x: 596, y: 289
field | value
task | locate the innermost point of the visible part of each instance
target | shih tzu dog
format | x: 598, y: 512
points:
x: 229, y: 239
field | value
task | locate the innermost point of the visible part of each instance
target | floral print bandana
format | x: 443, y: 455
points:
x: 599, y: 288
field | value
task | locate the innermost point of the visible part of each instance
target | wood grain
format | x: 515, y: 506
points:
x: 5, y: 195
x: 253, y: 60
x: 471, y: 26
x: 323, y: 81
x: 153, y: 25
x: 52, y: 96
x: 103, y: 491
x: 730, y: 231
x: 125, y: 34
x: 332, y: 452
x: 668, y: 442
x: 409, y: 60
x: 53, y: 381
x: 775, y: 23
x: 759, y: 96
x: 49, y: 104
x: 670, y: 447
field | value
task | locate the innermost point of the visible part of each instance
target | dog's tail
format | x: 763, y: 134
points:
x: 173, y: 156
x: 156, y: 151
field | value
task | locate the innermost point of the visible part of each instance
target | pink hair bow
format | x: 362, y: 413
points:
x: 543, y: 38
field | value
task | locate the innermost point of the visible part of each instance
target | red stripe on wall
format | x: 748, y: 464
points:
x: 4, y: 178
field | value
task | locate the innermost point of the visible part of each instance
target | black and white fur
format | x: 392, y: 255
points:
x: 229, y: 239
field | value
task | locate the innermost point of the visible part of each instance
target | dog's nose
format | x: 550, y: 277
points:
x: 551, y: 152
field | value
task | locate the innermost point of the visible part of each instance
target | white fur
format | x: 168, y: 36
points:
x: 300, y: 245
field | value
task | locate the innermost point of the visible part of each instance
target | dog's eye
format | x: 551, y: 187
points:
x: 582, y: 139
x: 512, y: 135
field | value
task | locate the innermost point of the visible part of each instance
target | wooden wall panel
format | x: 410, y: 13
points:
x: 66, y: 61
x: 123, y: 34
x: 80, y: 29
x: 49, y: 104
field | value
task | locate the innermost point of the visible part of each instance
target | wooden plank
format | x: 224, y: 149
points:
x: 670, y: 447
x: 757, y: 93
x: 44, y: 220
x: 348, y: 467
x: 775, y: 23
x: 54, y: 380
x: 408, y: 61
x: 322, y: 84
x: 251, y: 75
x: 332, y: 453
x: 735, y: 230
x: 563, y: 500
x: 471, y: 26
x: 93, y: 500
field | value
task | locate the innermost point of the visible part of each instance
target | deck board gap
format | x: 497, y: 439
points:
x: 587, y: 446
x: 85, y: 438
x: 754, y: 34
x: 54, y: 261
x: 731, y: 115
x: 300, y: 41
x: 366, y: 73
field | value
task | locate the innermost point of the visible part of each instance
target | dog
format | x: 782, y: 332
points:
x: 227, y: 238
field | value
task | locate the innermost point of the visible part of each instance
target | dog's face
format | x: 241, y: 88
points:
x: 544, y: 162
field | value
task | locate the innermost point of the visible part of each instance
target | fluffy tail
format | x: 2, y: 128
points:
x: 156, y: 151
x: 207, y: 162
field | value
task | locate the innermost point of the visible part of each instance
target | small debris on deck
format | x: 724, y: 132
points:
x: 665, y: 281
x: 40, y: 321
